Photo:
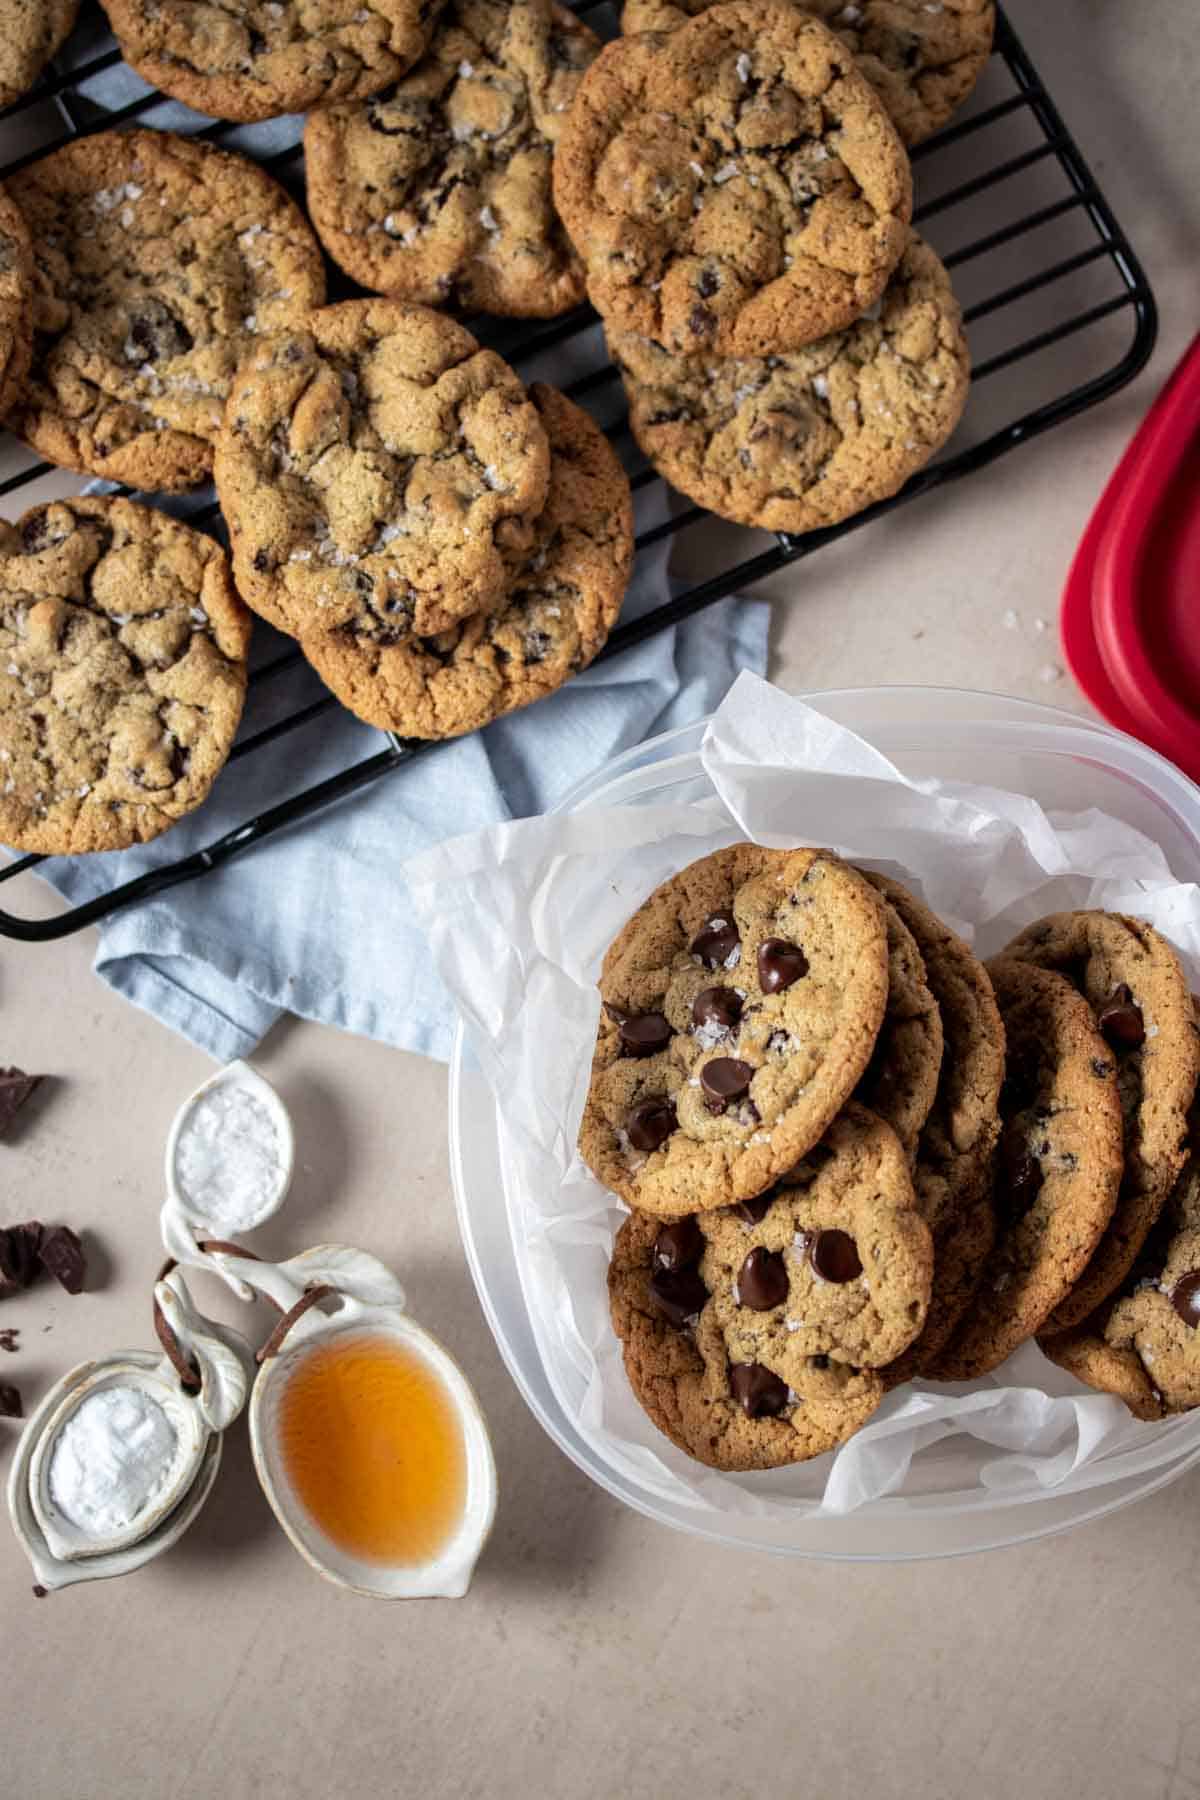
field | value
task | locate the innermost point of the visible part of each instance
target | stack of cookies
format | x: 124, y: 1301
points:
x: 854, y: 1155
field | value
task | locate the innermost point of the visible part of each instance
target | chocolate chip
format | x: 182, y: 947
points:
x: 669, y: 418
x: 679, y: 1294
x: 1101, y: 1068
x: 644, y: 1034
x: 716, y: 941
x: 536, y: 644
x: 155, y: 334
x: 779, y: 964
x: 762, y: 1280
x: 19, y: 1246
x: 717, y: 1006
x: 754, y: 1211
x: 724, y: 1079
x: 10, y: 1402
x: 262, y: 561
x: 758, y: 1390
x: 1121, y: 1021
x: 679, y: 1245
x: 708, y: 283
x: 650, y: 1123
x: 61, y: 1255
x: 834, y: 1256
x: 16, y: 1087
x: 701, y: 321
x: 1020, y: 1173
x: 1185, y: 1298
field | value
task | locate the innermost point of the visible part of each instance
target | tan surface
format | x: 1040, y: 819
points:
x: 599, y: 1654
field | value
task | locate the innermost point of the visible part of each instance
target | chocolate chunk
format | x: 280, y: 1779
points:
x: 15, y: 1089
x: 10, y: 1402
x: 708, y: 283
x: 724, y: 1079
x: 779, y: 964
x: 1020, y: 1173
x: 8, y: 1337
x: 758, y: 1390
x: 762, y: 1280
x: 834, y: 1256
x: 650, y: 1123
x: 754, y: 1211
x: 679, y: 1245
x: 1121, y: 1021
x: 62, y: 1256
x: 717, y: 1006
x: 679, y: 1293
x: 1185, y: 1298
x: 155, y: 334
x: 644, y: 1034
x: 716, y: 941
x: 19, y: 1246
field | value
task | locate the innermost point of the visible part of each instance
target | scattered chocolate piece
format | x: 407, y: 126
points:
x: 716, y: 941
x: 679, y: 1245
x: 61, y: 1255
x: 19, y: 1246
x: 1120, y: 1021
x: 754, y: 1211
x: 644, y: 1034
x: 10, y: 1402
x: 779, y: 964
x: 719, y: 1006
x: 724, y: 1079
x: 1185, y: 1298
x: 758, y: 1390
x: 39, y: 1592
x: 15, y: 1089
x: 8, y: 1338
x: 762, y: 1280
x: 834, y: 1256
x: 680, y: 1294
x: 650, y: 1123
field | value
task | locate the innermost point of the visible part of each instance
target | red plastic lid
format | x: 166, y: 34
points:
x: 1131, y: 608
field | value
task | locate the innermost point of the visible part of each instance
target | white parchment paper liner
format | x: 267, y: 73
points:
x: 519, y: 917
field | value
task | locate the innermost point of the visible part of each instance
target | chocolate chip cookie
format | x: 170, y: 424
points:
x: 439, y: 190
x: 16, y: 300
x: 256, y: 59
x: 901, y: 1078
x: 158, y: 259
x: 797, y: 441
x: 952, y: 1173
x: 731, y: 1415
x: 122, y: 674
x: 557, y: 615
x: 1131, y: 978
x: 734, y: 188
x: 1058, y: 1168
x: 31, y: 31
x: 922, y: 60
x: 379, y: 472
x: 741, y: 1005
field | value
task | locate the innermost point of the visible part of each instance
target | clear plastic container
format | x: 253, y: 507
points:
x: 1060, y: 760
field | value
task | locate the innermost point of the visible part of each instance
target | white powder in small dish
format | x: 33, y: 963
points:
x: 228, y: 1159
x: 115, y: 1453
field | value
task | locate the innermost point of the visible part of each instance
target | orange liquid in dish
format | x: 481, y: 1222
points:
x: 374, y: 1449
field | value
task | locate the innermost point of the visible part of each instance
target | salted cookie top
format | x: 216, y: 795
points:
x: 439, y: 190
x: 731, y: 1415
x: 378, y: 470
x: 16, y: 300
x: 741, y: 1005
x: 734, y: 187
x: 1131, y: 978
x: 122, y: 674
x: 1058, y: 1169
x: 158, y: 260
x: 921, y: 59
x: 794, y: 441
x: 901, y: 1078
x: 563, y: 603
x: 30, y: 33
x: 255, y: 59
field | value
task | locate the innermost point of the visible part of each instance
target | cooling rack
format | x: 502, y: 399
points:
x: 1058, y: 310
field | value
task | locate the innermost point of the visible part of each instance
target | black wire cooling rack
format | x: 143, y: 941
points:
x: 1058, y: 310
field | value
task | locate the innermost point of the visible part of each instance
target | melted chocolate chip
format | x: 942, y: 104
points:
x: 679, y: 1245
x: 754, y: 1211
x: 834, y: 1256
x: 701, y: 321
x: 717, y: 1006
x: 758, y: 1391
x: 155, y: 334
x: 1185, y: 1298
x: 644, y: 1034
x: 716, y: 941
x: 650, y: 1123
x: 708, y: 283
x: 723, y: 1080
x: 679, y: 1294
x: 1121, y: 1021
x: 1020, y: 1173
x: 779, y: 964
x: 762, y: 1280
x: 1100, y: 1068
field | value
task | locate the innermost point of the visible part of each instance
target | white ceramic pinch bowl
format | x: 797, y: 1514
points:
x: 233, y: 1075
